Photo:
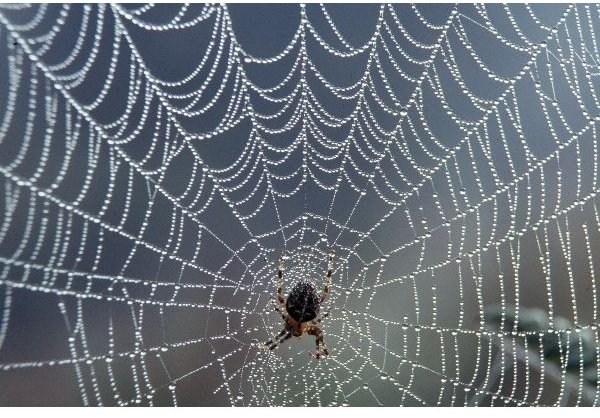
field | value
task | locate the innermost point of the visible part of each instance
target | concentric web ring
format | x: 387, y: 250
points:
x: 157, y: 160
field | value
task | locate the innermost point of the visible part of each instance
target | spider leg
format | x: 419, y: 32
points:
x: 274, y: 342
x: 321, y: 350
x: 280, y: 279
x: 321, y: 318
x: 286, y: 337
x: 325, y: 293
x: 281, y: 337
x: 278, y: 308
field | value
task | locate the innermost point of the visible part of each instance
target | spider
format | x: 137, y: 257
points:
x: 302, y: 306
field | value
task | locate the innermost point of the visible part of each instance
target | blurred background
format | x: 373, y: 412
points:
x: 156, y: 160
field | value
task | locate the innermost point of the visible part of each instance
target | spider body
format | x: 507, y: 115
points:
x: 303, y: 304
x: 302, y: 308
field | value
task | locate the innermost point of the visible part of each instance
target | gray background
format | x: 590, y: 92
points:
x: 182, y: 305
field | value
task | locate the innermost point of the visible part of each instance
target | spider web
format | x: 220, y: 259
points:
x: 156, y: 161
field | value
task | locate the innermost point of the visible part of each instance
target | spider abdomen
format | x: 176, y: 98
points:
x: 302, y: 303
